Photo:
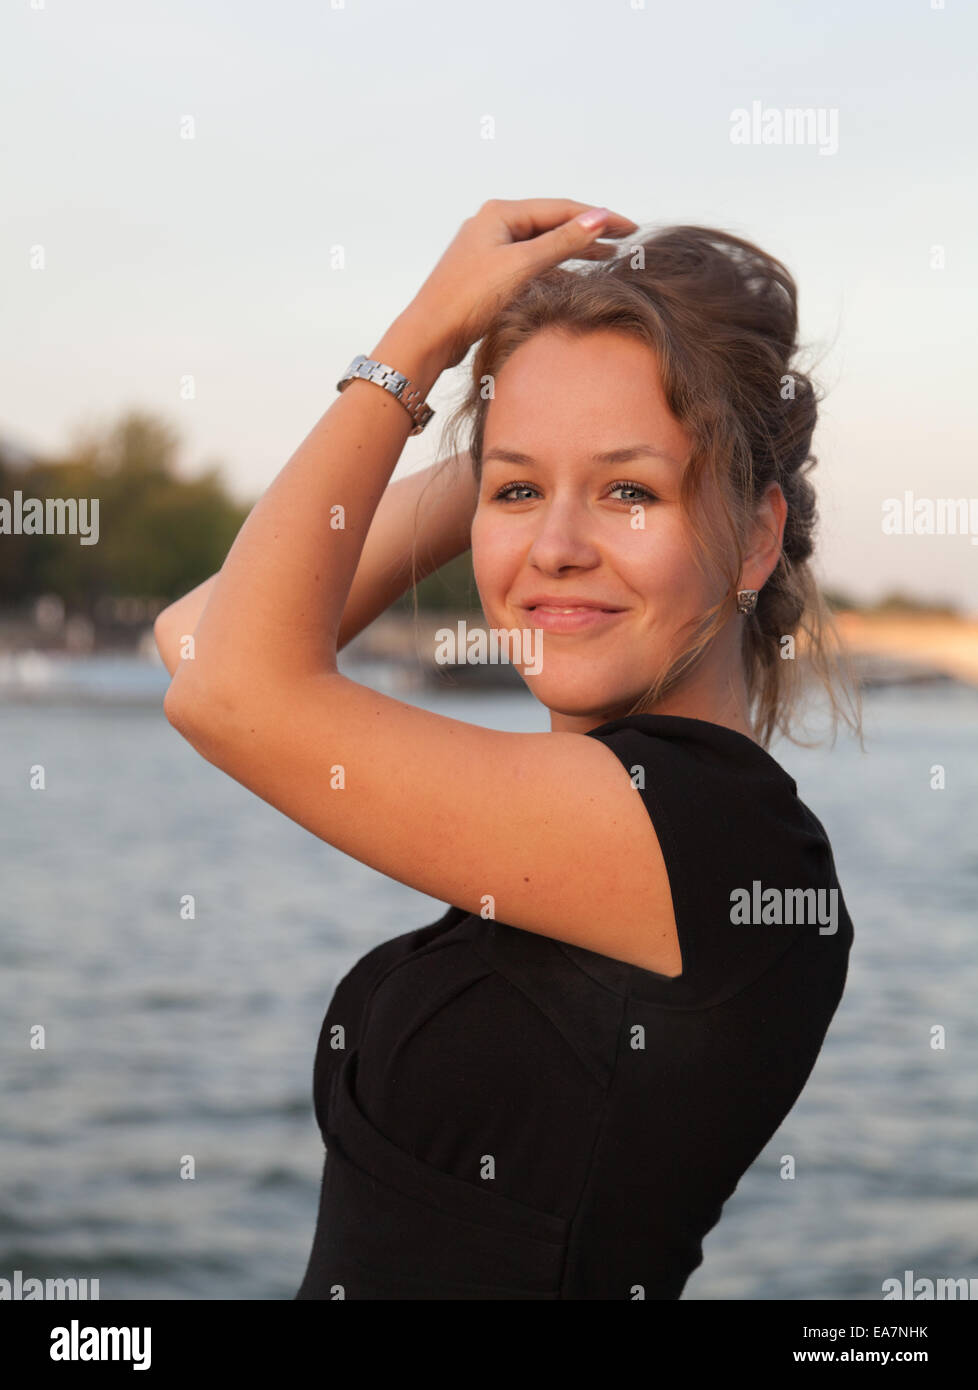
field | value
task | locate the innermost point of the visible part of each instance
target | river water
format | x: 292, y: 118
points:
x: 167, y: 1037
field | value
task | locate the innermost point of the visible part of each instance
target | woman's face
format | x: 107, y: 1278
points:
x: 562, y: 523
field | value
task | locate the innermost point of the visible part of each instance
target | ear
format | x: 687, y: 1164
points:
x: 766, y: 538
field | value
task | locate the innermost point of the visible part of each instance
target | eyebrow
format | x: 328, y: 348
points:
x: 609, y: 456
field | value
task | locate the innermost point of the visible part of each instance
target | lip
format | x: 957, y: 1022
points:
x: 568, y: 601
x: 586, y: 614
x: 573, y: 622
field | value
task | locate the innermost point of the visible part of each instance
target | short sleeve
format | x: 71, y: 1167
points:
x: 750, y: 868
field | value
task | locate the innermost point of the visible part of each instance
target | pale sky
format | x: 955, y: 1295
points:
x: 363, y: 126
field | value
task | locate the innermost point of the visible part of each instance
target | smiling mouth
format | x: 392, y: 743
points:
x: 577, y: 608
x: 568, y: 619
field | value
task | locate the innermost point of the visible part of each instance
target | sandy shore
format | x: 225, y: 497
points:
x: 947, y: 644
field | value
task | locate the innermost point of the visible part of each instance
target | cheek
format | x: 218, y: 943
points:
x: 657, y: 560
x: 663, y: 566
x: 496, y: 556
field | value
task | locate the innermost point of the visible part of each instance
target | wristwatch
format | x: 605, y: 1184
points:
x: 394, y: 382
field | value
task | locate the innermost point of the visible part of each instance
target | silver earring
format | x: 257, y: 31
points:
x: 746, y: 600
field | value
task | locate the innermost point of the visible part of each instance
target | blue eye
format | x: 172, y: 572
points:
x: 646, y: 495
x: 636, y: 487
x: 500, y: 496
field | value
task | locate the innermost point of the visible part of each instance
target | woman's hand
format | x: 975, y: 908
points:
x: 504, y: 244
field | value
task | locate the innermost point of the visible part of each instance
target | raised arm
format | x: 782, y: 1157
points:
x: 434, y: 505
x: 543, y: 831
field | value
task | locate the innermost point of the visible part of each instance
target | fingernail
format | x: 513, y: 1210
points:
x: 593, y: 218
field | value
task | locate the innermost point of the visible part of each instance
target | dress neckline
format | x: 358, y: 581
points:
x: 682, y: 721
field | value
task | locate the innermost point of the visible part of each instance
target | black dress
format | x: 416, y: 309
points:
x: 510, y: 1117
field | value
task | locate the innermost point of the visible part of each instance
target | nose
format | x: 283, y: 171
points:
x: 563, y: 537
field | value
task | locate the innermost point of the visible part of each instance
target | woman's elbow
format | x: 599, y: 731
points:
x: 179, y: 708
x: 166, y: 638
x: 206, y: 717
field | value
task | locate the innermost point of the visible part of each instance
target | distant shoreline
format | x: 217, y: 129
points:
x: 884, y: 648
x: 923, y: 641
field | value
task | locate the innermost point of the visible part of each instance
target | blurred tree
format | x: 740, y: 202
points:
x: 840, y: 601
x: 897, y: 602
x: 158, y: 534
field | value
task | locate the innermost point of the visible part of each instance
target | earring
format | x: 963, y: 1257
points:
x: 746, y: 600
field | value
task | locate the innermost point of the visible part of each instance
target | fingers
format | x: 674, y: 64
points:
x: 529, y: 217
x: 568, y: 241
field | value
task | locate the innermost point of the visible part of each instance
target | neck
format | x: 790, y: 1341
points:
x: 715, y: 692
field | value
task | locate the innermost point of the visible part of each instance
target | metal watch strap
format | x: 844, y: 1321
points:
x: 394, y: 382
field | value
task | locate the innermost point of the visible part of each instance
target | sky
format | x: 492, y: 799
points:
x: 247, y: 194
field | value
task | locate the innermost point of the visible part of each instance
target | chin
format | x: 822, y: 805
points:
x: 562, y: 698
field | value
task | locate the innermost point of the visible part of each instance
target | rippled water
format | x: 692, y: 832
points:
x: 168, y: 1037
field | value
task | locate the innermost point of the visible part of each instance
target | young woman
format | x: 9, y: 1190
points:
x: 550, y: 1092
